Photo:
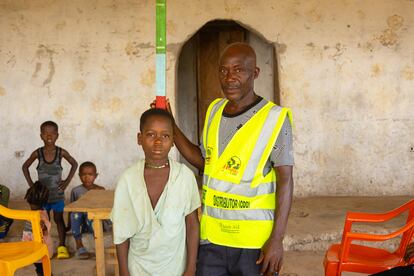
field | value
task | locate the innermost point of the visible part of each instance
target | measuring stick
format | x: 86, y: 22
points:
x: 160, y: 53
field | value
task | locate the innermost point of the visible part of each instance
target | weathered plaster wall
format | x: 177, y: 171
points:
x: 346, y: 69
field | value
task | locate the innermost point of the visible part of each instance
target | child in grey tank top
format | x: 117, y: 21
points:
x: 50, y: 174
x: 49, y: 171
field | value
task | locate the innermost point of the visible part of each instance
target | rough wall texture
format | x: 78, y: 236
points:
x: 346, y: 69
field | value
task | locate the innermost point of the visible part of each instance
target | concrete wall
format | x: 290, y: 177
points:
x: 346, y: 68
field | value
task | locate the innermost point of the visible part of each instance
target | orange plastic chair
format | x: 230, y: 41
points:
x: 363, y: 259
x: 14, y: 255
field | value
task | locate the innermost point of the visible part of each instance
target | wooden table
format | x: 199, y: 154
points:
x: 98, y: 204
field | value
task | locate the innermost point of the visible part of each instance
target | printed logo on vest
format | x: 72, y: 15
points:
x: 233, y: 165
x: 209, y: 150
x: 232, y: 228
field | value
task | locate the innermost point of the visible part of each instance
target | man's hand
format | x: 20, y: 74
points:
x: 63, y: 184
x: 271, y: 257
x: 168, y: 107
x: 409, y: 253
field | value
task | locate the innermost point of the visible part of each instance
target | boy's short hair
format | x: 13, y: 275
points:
x: 86, y: 164
x: 154, y: 112
x: 37, y: 194
x: 49, y: 123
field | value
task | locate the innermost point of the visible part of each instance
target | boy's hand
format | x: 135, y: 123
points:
x: 63, y: 185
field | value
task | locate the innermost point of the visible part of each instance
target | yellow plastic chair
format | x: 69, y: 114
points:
x: 14, y: 255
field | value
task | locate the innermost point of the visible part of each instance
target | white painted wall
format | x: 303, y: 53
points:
x: 264, y: 84
x: 345, y: 68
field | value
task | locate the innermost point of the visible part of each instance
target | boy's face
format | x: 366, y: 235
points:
x: 87, y: 176
x: 49, y: 135
x: 156, y: 139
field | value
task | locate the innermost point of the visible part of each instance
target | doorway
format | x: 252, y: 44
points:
x: 197, y: 79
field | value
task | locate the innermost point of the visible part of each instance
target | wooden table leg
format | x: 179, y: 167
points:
x: 99, y: 247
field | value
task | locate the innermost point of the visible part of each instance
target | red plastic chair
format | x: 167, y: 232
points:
x: 363, y: 259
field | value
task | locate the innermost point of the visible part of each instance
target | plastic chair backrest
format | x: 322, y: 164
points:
x: 15, y: 255
x: 32, y: 216
x: 406, y: 230
x: 407, y: 236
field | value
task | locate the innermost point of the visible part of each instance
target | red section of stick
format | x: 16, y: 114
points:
x: 161, y: 102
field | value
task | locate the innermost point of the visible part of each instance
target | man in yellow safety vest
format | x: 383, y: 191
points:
x: 247, y: 159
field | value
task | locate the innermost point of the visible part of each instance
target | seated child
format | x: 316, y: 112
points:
x: 5, y: 223
x: 156, y: 228
x: 79, y: 222
x: 37, y: 195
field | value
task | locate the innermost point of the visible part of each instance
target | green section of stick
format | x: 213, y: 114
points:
x: 161, y: 26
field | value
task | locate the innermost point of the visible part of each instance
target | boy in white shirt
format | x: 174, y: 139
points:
x: 156, y: 228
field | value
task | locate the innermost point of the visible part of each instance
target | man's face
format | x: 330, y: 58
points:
x: 237, y: 73
x: 156, y: 139
x: 49, y: 135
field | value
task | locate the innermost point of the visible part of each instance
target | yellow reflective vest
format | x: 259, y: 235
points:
x: 238, y: 200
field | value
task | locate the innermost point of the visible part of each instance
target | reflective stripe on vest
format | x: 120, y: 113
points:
x: 238, y: 200
x: 240, y: 215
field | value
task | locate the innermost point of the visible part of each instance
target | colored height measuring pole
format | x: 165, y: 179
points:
x: 160, y: 53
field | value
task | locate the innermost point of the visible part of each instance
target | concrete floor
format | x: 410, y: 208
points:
x: 296, y: 263
x: 310, y: 265
x: 314, y: 224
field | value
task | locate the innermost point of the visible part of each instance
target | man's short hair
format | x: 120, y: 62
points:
x: 247, y: 48
x: 49, y: 123
x: 154, y: 112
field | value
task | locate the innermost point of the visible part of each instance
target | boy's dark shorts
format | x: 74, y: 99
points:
x: 222, y: 260
x: 57, y: 206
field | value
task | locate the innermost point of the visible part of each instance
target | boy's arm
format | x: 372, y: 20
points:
x: 122, y: 255
x: 26, y: 166
x: 192, y: 238
x: 74, y: 166
x: 272, y: 252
